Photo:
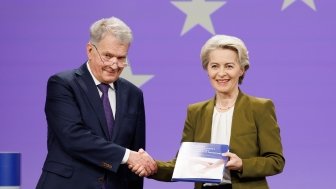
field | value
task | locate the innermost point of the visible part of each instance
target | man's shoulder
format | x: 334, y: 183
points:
x: 123, y: 83
x: 66, y: 73
x: 70, y: 74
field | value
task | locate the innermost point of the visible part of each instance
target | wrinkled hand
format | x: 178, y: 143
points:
x: 141, y: 163
x: 234, y: 163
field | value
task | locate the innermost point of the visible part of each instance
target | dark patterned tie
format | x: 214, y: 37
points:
x: 107, y: 106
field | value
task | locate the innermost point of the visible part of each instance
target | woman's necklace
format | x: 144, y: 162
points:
x: 222, y: 108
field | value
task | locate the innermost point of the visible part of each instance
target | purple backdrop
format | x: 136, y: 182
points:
x: 291, y: 44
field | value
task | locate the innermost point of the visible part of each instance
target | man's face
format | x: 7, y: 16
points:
x: 104, y: 58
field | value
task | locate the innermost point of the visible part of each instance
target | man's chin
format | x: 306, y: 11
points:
x: 110, y: 79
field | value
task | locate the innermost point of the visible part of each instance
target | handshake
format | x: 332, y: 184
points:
x: 141, y: 163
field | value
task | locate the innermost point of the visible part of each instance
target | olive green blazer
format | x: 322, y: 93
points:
x: 255, y: 138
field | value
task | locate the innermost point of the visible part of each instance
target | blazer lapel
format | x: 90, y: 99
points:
x: 237, y: 113
x: 86, y: 82
x: 207, y: 121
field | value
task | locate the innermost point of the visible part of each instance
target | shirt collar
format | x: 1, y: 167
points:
x: 95, y: 79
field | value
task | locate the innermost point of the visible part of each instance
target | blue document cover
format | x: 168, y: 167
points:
x: 200, y: 162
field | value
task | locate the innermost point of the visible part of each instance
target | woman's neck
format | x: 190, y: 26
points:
x: 225, y: 101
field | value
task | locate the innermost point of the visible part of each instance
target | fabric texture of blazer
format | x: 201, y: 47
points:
x: 255, y: 138
x: 81, y: 153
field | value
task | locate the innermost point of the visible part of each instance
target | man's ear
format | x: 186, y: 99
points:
x: 89, y: 50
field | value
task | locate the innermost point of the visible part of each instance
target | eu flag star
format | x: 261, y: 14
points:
x: 309, y: 3
x: 198, y: 13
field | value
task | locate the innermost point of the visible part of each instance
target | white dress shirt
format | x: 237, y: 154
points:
x: 112, y: 99
x: 221, y: 133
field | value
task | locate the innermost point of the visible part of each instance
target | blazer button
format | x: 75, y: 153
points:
x: 106, y: 165
x: 101, y: 179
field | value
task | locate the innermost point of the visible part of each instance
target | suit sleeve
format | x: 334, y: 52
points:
x: 270, y: 160
x: 140, y: 130
x: 67, y: 128
x: 135, y: 181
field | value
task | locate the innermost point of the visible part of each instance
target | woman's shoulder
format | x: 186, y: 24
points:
x: 257, y: 104
x: 256, y: 100
x: 201, y: 104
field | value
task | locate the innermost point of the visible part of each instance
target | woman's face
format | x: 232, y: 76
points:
x: 224, y: 70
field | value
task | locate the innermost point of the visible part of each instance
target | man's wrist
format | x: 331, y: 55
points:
x: 126, y: 156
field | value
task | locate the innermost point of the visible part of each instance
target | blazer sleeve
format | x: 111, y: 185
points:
x: 67, y: 129
x: 270, y: 160
x: 166, y: 169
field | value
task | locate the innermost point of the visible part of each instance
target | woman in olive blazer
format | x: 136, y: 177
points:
x: 255, y: 143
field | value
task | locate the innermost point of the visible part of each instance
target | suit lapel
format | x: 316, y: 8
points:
x: 120, y: 98
x: 86, y: 82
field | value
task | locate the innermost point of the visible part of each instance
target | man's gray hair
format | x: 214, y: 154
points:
x: 110, y: 26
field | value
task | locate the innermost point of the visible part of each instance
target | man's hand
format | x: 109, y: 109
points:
x: 141, y: 163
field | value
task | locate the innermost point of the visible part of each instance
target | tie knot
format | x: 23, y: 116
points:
x: 103, y: 88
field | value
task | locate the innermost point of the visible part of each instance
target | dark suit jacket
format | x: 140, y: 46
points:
x: 255, y: 138
x: 80, y: 152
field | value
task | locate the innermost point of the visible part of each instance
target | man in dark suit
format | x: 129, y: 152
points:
x: 93, y: 135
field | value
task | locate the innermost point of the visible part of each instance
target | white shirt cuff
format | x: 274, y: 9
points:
x: 126, y: 156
